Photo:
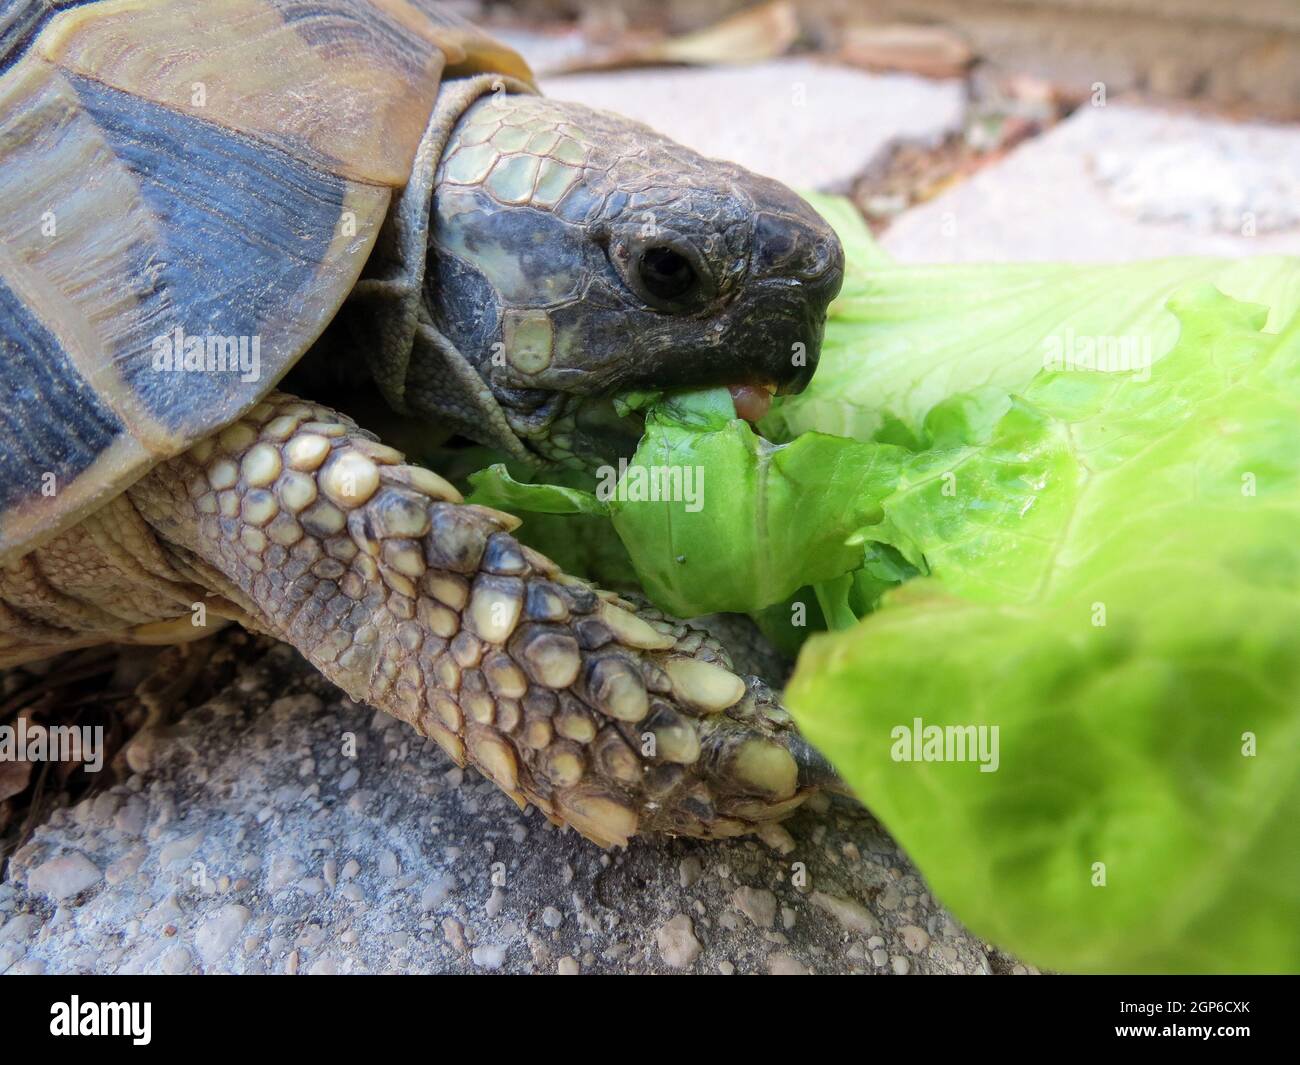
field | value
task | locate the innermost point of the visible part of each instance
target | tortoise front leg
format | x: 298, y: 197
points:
x: 607, y: 719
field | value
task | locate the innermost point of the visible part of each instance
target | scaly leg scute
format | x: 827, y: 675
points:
x: 408, y: 598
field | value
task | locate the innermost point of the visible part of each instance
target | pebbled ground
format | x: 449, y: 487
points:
x: 246, y: 842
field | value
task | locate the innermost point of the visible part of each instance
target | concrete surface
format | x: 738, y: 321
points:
x: 808, y: 124
x: 250, y: 844
x: 1115, y: 183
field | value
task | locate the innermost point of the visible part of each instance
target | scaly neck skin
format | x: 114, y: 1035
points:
x: 389, y: 319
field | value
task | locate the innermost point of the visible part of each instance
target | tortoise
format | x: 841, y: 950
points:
x: 239, y: 251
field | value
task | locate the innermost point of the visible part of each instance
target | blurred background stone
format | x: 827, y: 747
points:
x: 806, y: 123
x: 1244, y: 54
x: 1116, y: 183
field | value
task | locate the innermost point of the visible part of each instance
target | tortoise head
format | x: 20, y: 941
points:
x: 575, y: 255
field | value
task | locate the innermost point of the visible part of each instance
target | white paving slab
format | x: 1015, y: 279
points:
x: 806, y: 123
x: 1116, y: 183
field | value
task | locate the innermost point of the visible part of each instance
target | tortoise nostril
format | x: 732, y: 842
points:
x: 824, y: 260
x: 798, y: 249
x: 831, y: 278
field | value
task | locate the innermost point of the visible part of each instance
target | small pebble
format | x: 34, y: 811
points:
x: 776, y: 837
x: 915, y: 939
x: 62, y: 878
x: 758, y: 904
x: 677, y: 943
x: 219, y: 933
x: 435, y: 894
x: 785, y: 965
x: 853, y: 916
x: 454, y: 933
x: 489, y: 956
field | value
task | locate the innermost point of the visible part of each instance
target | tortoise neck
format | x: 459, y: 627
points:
x: 386, y: 323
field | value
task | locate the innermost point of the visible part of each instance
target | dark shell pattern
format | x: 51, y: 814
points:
x: 184, y: 191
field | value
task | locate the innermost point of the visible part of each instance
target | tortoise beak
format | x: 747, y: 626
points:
x: 797, y: 263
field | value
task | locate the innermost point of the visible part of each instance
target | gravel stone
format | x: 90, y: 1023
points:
x: 1142, y: 182
x: 915, y: 939
x: 62, y: 878
x: 677, y: 943
x: 758, y: 904
x: 20, y: 928
x: 808, y: 124
x: 489, y: 956
x: 219, y: 933
x: 852, y: 915
x: 780, y: 964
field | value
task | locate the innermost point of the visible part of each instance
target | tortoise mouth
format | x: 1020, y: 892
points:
x: 574, y: 430
x: 603, y: 426
x: 752, y: 402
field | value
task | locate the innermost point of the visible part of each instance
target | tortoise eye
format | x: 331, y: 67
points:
x: 665, y: 274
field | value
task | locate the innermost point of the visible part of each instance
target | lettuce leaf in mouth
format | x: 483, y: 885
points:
x: 917, y: 361
x: 902, y: 339
x: 713, y: 516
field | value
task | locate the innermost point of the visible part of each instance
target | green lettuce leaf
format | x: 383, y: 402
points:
x: 1103, y: 565
x: 1115, y: 587
x: 902, y: 338
x: 769, y: 518
x: 563, y: 520
x: 716, y: 518
x: 495, y: 486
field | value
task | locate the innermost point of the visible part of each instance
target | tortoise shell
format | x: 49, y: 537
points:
x: 184, y: 190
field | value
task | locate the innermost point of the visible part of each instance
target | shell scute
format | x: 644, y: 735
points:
x: 242, y: 169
